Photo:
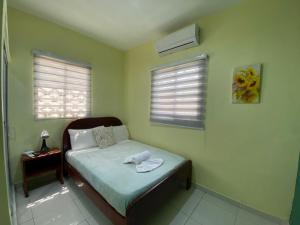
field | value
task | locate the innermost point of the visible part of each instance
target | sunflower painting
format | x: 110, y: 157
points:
x: 246, y: 84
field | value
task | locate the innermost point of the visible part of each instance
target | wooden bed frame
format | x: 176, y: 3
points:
x: 140, y: 206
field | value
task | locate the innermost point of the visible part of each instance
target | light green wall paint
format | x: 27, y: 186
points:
x: 4, y: 210
x: 28, y: 32
x: 247, y: 152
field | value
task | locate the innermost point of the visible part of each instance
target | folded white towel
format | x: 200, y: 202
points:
x: 138, y: 158
x: 149, y: 165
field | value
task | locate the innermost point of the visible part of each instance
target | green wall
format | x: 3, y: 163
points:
x: 247, y: 152
x: 28, y: 32
x: 295, y: 214
x: 4, y: 210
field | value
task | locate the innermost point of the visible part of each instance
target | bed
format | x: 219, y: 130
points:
x: 123, y: 195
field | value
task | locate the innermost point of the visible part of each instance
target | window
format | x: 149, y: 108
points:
x: 62, y: 89
x: 178, y: 94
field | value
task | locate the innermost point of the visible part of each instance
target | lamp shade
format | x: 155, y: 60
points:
x: 44, y: 134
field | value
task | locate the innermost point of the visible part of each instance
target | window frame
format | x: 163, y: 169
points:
x: 39, y: 53
x: 203, y: 57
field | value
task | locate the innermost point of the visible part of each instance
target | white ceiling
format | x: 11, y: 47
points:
x: 123, y: 24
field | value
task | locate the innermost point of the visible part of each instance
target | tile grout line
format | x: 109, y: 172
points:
x: 32, y: 218
x: 79, y: 209
x: 77, y: 202
x: 85, y: 220
x: 25, y: 221
x: 189, y: 217
x: 236, y: 217
x: 241, y: 205
x: 32, y: 214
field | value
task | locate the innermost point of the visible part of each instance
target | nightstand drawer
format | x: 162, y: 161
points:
x: 50, y: 161
x: 43, y: 165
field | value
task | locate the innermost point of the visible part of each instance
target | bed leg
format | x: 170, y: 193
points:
x: 130, y: 220
x: 189, y: 176
x: 131, y: 216
x: 65, y: 171
x: 188, y: 183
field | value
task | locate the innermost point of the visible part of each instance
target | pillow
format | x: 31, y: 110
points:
x: 104, y: 136
x: 82, y: 138
x: 120, y: 133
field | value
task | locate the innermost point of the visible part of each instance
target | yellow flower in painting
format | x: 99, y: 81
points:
x: 239, y: 93
x: 251, y: 72
x: 240, y: 80
x: 250, y: 96
x: 253, y: 83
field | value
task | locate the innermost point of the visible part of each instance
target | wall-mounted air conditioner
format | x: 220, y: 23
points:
x: 185, y: 38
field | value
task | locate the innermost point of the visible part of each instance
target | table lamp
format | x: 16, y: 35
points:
x: 44, y: 136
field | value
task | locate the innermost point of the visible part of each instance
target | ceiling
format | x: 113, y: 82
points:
x: 123, y: 24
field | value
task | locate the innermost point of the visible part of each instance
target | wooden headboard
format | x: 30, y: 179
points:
x: 85, y: 124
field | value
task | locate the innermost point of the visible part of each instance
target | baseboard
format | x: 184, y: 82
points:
x: 242, y: 206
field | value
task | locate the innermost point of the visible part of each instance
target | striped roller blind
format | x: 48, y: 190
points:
x: 62, y: 89
x: 178, y: 94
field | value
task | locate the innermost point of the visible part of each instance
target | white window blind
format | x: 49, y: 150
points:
x: 62, y: 89
x: 178, y: 94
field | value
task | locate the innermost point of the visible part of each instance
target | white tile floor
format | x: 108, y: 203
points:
x: 56, y: 204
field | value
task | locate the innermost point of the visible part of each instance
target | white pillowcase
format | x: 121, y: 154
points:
x: 104, y: 136
x: 120, y: 133
x: 83, y: 138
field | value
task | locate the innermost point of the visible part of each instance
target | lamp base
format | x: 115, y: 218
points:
x: 44, y: 147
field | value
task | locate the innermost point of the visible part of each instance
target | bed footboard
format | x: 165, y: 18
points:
x: 149, y: 200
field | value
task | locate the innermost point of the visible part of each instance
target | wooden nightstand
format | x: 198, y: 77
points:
x: 43, y: 163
